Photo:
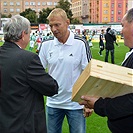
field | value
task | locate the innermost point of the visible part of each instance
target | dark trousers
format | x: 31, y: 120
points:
x: 112, y: 55
x: 100, y: 52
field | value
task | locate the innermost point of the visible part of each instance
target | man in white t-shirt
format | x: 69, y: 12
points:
x: 65, y: 56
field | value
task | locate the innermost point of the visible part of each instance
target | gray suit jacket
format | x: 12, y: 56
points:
x: 23, y: 84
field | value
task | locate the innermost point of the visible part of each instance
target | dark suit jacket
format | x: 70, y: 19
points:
x: 119, y: 110
x: 23, y: 84
x: 109, y: 41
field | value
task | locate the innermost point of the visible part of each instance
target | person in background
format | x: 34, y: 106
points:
x: 101, y: 43
x: 90, y: 39
x: 50, y: 35
x: 66, y: 56
x: 23, y: 82
x: 119, y: 110
x: 32, y: 41
x: 110, y: 39
x: 38, y: 42
x: 84, y: 35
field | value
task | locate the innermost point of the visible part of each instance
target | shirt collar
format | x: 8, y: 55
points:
x: 68, y: 42
x: 18, y: 45
x: 131, y: 49
x: 128, y: 54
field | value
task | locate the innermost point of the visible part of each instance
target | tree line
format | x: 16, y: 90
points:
x: 42, y: 16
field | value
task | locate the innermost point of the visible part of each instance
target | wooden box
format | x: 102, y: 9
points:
x: 103, y: 79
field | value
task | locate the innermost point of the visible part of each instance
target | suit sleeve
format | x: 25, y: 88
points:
x: 116, y: 107
x: 39, y: 79
x: 114, y: 37
x: 42, y: 56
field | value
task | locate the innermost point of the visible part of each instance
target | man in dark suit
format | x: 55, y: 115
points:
x: 110, y: 39
x: 23, y: 82
x: 119, y: 110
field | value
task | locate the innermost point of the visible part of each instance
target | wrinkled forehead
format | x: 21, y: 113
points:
x: 56, y: 20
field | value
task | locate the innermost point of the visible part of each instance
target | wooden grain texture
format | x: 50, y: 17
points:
x: 103, y: 79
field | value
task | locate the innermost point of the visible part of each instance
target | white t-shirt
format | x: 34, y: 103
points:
x: 65, y: 62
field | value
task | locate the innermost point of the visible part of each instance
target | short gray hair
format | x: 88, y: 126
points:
x: 14, y: 27
x: 129, y: 16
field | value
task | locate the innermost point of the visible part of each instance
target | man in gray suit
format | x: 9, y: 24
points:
x: 23, y: 82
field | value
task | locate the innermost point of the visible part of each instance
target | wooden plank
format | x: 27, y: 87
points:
x: 103, y: 79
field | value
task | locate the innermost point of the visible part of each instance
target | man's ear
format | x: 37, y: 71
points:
x: 68, y: 21
x: 22, y: 35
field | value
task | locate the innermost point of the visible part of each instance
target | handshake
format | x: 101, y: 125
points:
x: 88, y: 102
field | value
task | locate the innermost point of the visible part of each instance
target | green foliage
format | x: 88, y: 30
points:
x: 75, y: 21
x: 27, y: 11
x: 30, y: 15
x: 43, y: 15
x: 9, y: 16
x: 4, y: 16
x: 65, y: 5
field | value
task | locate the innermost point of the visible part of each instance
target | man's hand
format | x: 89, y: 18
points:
x: 87, y: 112
x: 88, y: 101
